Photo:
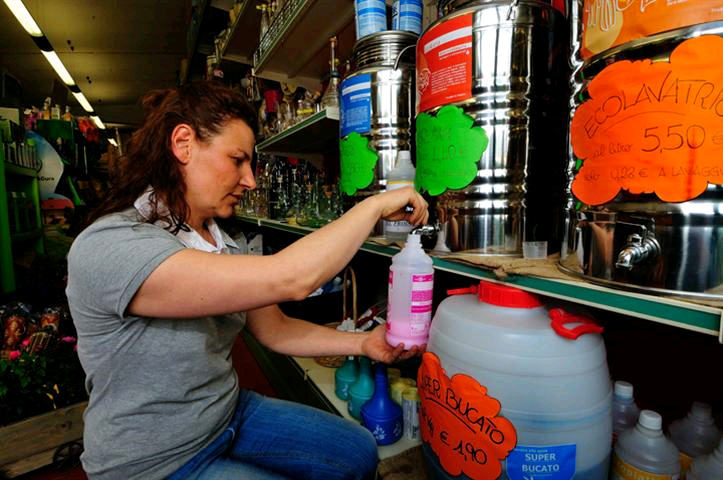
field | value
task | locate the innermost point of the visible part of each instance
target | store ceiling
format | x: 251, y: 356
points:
x: 114, y: 50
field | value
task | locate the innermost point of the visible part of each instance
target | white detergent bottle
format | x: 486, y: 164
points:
x: 402, y: 175
x: 644, y: 453
x: 625, y: 410
x: 707, y: 467
x: 409, y: 303
x: 695, y: 434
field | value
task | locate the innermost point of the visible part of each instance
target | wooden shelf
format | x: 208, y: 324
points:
x: 314, y: 137
x: 670, y: 311
x: 295, y: 49
x: 244, y: 36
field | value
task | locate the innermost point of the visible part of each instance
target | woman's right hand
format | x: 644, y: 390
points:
x: 392, y: 205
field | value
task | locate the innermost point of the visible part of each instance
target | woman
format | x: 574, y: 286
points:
x: 155, y: 296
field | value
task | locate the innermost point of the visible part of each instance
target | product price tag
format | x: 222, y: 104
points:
x: 608, y: 23
x: 652, y: 127
x: 448, y: 150
x: 358, y: 161
x: 459, y: 422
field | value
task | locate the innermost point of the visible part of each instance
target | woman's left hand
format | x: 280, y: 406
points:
x: 375, y: 346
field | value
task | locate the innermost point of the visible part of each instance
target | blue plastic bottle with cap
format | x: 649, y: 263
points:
x: 345, y: 376
x: 362, y: 389
x: 381, y: 415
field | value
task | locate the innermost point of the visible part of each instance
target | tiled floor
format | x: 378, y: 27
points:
x: 252, y: 378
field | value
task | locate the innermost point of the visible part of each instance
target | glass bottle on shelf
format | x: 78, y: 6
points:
x: 331, y: 95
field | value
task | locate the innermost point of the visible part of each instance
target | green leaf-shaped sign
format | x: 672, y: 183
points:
x: 357, y: 163
x: 448, y: 149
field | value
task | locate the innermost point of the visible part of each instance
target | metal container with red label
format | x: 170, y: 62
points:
x: 646, y: 166
x: 491, y: 125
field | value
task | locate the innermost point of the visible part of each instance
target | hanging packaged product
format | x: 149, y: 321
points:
x: 411, y: 283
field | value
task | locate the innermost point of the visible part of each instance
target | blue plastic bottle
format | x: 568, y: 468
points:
x: 381, y: 415
x: 362, y: 389
x: 345, y: 376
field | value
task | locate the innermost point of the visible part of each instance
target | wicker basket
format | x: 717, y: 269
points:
x: 335, y: 361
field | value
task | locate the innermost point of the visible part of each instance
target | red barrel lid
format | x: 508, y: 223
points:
x: 500, y: 295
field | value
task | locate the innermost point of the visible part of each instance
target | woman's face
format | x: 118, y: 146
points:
x: 218, y: 171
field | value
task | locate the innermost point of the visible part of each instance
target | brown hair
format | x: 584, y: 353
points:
x: 206, y: 106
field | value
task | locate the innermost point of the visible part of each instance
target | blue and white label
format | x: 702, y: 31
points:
x: 356, y: 105
x: 371, y: 17
x: 552, y: 462
x: 407, y: 15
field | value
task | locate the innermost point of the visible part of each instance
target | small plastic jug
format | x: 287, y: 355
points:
x: 644, y: 451
x: 625, y: 410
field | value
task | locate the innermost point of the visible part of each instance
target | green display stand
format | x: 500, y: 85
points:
x: 17, y: 232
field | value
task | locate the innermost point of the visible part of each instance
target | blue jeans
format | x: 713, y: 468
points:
x: 276, y: 439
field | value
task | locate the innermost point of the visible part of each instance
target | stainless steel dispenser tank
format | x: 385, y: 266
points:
x: 377, y: 104
x: 503, y: 65
x: 646, y: 161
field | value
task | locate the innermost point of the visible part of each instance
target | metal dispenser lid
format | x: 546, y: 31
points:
x: 383, y: 48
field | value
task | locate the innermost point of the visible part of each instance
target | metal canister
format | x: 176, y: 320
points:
x: 377, y: 108
x: 494, y: 77
x: 646, y: 176
x: 410, y: 410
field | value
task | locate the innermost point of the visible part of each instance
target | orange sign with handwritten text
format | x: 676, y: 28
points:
x: 653, y: 127
x: 459, y: 422
x: 608, y: 23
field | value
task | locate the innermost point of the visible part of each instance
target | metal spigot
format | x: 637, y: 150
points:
x: 427, y: 230
x: 637, y: 249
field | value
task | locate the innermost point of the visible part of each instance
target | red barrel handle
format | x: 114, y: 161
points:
x: 560, y: 317
x: 463, y: 291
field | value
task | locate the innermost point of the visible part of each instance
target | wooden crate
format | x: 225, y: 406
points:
x: 31, y: 443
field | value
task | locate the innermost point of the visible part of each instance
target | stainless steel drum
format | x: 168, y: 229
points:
x: 377, y: 103
x: 646, y: 202
x: 512, y: 79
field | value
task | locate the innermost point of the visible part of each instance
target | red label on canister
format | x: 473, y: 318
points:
x: 444, y: 63
x: 609, y: 23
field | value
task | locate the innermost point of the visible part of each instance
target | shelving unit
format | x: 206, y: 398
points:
x: 682, y: 314
x: 16, y: 178
x: 312, y: 138
x: 295, y: 49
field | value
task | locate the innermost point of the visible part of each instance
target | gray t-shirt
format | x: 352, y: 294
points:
x: 160, y: 389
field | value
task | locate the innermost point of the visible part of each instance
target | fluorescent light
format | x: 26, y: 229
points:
x: 113, y: 142
x: 58, y: 66
x: 98, y: 123
x: 24, y: 17
x: 83, y: 101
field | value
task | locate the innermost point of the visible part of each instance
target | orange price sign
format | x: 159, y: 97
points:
x: 653, y: 127
x: 460, y: 422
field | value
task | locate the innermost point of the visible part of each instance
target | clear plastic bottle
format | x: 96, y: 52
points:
x: 625, y: 410
x: 644, y: 452
x: 409, y: 307
x: 707, y: 467
x: 695, y: 434
x: 402, y: 175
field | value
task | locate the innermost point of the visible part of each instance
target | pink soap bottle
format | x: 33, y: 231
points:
x: 409, y: 303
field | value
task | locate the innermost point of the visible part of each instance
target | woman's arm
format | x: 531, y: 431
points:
x: 192, y: 283
x: 291, y: 336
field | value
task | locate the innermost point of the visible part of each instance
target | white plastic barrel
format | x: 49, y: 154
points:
x: 555, y: 391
